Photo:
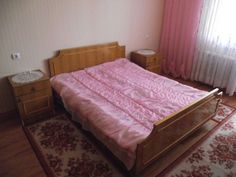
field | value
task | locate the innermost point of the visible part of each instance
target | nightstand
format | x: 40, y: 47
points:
x: 33, y: 99
x: 148, y: 59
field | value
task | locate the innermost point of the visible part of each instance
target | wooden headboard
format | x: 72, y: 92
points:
x: 73, y: 59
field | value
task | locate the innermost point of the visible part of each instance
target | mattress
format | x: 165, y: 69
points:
x: 118, y: 102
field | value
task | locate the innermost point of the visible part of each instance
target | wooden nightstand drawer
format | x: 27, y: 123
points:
x: 152, y: 60
x: 155, y: 69
x: 33, y: 96
x: 39, y: 104
x: 31, y: 88
x: 34, y: 104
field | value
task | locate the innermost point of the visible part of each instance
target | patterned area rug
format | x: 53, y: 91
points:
x: 64, y: 151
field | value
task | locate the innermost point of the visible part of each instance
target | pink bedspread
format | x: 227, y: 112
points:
x: 119, y: 102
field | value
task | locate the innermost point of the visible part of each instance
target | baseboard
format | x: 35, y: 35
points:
x: 12, y: 114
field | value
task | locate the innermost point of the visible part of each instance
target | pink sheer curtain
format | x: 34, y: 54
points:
x: 178, y: 39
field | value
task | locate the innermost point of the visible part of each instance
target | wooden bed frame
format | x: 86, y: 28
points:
x: 167, y: 133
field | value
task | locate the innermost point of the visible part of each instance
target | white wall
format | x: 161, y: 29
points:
x: 38, y: 28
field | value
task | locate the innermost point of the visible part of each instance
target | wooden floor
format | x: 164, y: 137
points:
x: 17, y: 158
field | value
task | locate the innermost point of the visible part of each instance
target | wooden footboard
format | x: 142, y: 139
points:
x: 173, y: 129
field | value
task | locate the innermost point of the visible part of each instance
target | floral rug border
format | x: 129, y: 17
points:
x: 39, y: 154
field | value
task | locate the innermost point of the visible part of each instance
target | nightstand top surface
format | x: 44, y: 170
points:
x: 14, y: 84
x: 146, y: 52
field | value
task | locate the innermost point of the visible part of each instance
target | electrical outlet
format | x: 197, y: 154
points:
x: 15, y: 56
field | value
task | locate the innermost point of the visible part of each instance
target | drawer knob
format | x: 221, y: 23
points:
x: 32, y: 89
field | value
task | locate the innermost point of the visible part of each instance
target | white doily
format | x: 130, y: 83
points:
x: 27, y: 76
x: 146, y: 52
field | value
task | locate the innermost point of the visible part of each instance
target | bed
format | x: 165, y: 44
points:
x: 137, y: 114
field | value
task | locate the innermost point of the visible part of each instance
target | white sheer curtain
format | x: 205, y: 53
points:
x: 215, y: 54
